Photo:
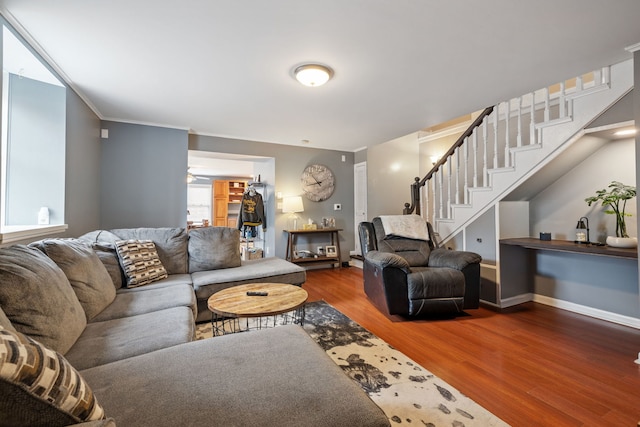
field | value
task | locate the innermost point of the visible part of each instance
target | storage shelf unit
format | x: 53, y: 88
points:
x: 227, y: 196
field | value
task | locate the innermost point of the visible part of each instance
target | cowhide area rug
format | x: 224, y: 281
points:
x: 406, y: 392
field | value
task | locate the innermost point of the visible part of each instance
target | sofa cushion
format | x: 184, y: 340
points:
x: 39, y: 387
x: 140, y: 262
x: 171, y: 244
x: 170, y: 280
x: 261, y: 270
x: 111, y: 340
x: 274, y: 377
x: 211, y: 248
x: 86, y: 273
x: 107, y: 254
x: 152, y: 299
x: 38, y: 299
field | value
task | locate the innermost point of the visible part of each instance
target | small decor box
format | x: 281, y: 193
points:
x: 247, y: 254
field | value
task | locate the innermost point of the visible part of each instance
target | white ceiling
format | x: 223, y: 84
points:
x: 225, y: 67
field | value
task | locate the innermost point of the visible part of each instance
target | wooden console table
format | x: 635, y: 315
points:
x: 319, y: 259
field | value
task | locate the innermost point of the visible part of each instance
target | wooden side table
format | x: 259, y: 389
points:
x: 319, y: 259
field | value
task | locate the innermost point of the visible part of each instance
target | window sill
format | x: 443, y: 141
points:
x: 15, y: 233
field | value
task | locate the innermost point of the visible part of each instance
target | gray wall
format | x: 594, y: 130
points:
x: 289, y: 164
x: 604, y: 283
x: 82, y: 182
x: 143, y: 176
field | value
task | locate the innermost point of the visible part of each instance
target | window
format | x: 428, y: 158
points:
x: 198, y: 202
x: 32, y: 180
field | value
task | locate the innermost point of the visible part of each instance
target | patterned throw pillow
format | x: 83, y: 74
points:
x: 140, y: 262
x: 39, y: 387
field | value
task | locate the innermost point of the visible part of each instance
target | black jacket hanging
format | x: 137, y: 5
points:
x: 251, y: 211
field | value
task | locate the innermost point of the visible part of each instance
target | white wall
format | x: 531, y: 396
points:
x: 391, y: 168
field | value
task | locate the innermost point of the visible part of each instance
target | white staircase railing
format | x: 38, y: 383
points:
x: 491, y: 146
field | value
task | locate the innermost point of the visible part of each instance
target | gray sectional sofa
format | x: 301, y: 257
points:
x: 128, y: 348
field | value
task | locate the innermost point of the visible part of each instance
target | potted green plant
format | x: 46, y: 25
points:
x: 615, y: 197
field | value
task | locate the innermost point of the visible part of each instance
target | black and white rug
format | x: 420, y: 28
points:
x: 406, y: 392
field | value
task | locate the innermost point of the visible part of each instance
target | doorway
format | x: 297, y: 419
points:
x: 360, y: 200
x: 204, y: 167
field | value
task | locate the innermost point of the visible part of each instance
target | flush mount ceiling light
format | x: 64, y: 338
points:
x: 313, y: 75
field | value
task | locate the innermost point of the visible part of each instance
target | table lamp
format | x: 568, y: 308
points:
x: 292, y: 205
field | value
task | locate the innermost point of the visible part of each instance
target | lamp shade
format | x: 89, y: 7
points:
x: 292, y: 204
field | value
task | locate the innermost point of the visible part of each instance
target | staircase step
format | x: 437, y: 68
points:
x: 461, y: 205
x: 553, y: 122
x: 526, y: 148
x: 501, y: 170
x: 480, y: 189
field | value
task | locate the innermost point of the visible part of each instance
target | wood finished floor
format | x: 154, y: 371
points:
x: 532, y: 366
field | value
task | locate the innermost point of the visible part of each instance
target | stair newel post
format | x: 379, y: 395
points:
x: 507, y: 147
x: 495, y: 137
x: 485, y: 172
x: 415, y: 195
x: 414, y: 206
x: 465, y: 187
x: 532, y: 125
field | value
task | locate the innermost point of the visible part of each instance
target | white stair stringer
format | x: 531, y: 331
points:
x: 529, y: 159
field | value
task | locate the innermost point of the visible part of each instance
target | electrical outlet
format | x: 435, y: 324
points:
x: 337, y: 207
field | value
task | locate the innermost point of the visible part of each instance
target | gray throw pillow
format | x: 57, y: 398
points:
x: 109, y: 257
x: 38, y: 299
x: 86, y: 273
x: 211, y: 248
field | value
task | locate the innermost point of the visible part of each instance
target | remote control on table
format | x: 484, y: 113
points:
x: 257, y: 293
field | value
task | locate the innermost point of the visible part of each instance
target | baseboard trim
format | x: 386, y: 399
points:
x: 596, y: 313
x: 620, y: 319
x: 518, y: 299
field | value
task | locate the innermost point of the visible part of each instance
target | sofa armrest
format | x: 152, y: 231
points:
x: 457, y: 260
x: 387, y: 260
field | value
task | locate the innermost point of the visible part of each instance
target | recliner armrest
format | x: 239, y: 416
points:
x: 457, y: 260
x: 387, y: 260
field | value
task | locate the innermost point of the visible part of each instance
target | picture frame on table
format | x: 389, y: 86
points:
x: 331, y: 251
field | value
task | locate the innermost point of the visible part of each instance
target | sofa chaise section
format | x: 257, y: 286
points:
x: 276, y: 377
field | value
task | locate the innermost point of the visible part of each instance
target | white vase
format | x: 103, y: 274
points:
x: 622, y: 242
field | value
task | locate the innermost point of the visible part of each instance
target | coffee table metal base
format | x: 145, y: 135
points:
x: 230, y: 325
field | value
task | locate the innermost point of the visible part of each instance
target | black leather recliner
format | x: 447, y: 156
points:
x: 412, y: 277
